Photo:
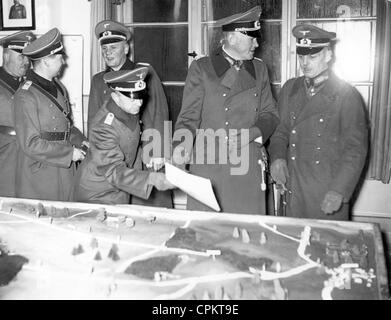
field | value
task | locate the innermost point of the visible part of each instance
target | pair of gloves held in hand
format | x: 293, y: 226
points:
x: 332, y: 201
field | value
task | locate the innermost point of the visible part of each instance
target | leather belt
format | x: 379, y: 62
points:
x: 55, y: 136
x: 7, y: 130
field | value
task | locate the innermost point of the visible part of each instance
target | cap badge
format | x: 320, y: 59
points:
x: 306, y: 42
x: 304, y: 32
x: 106, y: 25
x: 107, y: 33
x: 28, y: 38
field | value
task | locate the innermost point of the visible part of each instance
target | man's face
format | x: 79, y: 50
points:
x: 16, y: 1
x: 314, y: 64
x: 115, y: 54
x: 55, y: 64
x: 244, y: 46
x: 16, y: 63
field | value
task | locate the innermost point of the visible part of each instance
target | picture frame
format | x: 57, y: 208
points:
x: 17, y: 14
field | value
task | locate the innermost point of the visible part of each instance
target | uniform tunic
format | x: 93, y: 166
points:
x: 44, y: 168
x: 324, y: 139
x: 112, y: 170
x: 218, y: 97
x: 153, y: 114
x: 8, y: 145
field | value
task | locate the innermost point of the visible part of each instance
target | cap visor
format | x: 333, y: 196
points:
x: 303, y: 51
x: 111, y: 40
x: 253, y: 34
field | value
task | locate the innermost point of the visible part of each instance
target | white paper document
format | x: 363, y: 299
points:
x: 197, y: 187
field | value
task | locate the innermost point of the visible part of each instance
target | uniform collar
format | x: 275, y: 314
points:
x: 49, y: 86
x: 221, y: 65
x: 329, y: 88
x: 128, y: 65
x: 11, y: 81
x: 127, y: 119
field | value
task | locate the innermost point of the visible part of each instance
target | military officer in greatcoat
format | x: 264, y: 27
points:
x: 14, y: 68
x: 319, y: 149
x: 113, y: 39
x: 112, y: 171
x: 49, y: 143
x: 227, y: 97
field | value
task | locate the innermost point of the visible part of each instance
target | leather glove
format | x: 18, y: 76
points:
x: 180, y: 156
x: 331, y: 202
x: 159, y: 181
x: 155, y: 164
x: 279, y: 171
x: 78, y: 154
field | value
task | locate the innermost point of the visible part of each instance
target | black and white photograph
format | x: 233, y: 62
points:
x: 17, y: 14
x: 183, y: 151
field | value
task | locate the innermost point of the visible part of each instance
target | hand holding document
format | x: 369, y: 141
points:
x: 197, y: 187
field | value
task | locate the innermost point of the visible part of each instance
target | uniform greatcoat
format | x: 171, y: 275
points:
x: 219, y: 97
x: 112, y: 170
x: 154, y: 113
x: 8, y: 145
x: 324, y: 139
x: 45, y: 169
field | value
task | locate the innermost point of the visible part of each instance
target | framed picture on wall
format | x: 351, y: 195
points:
x: 17, y: 14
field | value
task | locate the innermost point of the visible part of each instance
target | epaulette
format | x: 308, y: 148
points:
x: 27, y: 85
x: 144, y: 64
x: 109, y: 119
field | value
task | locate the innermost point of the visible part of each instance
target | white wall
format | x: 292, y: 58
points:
x: 71, y: 17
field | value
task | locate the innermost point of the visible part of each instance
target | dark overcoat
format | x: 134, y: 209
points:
x: 153, y: 115
x: 8, y: 145
x: 324, y: 139
x: 45, y: 169
x: 112, y: 171
x: 218, y: 97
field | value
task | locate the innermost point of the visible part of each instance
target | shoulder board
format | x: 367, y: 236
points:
x: 143, y: 64
x: 27, y: 85
x: 255, y: 58
x: 109, y: 119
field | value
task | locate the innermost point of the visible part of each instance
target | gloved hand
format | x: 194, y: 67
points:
x: 127, y: 104
x: 180, y: 156
x: 78, y: 154
x: 279, y: 171
x: 332, y: 202
x: 155, y: 163
x: 159, y: 181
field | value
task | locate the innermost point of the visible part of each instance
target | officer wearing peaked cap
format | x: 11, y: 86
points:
x: 229, y: 91
x: 14, y: 68
x: 319, y: 149
x: 113, y: 38
x: 311, y: 39
x: 49, y: 143
x: 112, y: 171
